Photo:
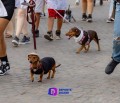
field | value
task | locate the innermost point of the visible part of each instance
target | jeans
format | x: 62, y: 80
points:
x: 116, y: 36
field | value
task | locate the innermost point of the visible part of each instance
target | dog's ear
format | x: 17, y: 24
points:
x: 28, y: 57
x: 38, y: 57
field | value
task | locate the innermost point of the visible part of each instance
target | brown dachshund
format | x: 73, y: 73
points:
x: 83, y: 37
x: 41, y: 66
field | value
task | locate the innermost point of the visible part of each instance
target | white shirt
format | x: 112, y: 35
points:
x: 3, y: 11
x: 56, y: 4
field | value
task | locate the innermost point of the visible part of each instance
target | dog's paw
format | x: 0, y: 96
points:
x: 77, y: 52
x: 39, y: 80
x: 85, y: 51
x: 48, y: 77
x: 52, y: 76
x: 32, y: 80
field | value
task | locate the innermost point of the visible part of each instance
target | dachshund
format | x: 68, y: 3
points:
x: 83, y: 38
x: 41, y: 66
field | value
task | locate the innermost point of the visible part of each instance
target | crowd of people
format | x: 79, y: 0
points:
x: 14, y: 23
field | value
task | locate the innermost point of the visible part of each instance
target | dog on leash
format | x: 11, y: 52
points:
x: 83, y: 38
x: 68, y: 15
x: 41, y: 66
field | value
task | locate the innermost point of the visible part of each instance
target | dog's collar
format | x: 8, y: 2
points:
x: 80, y: 36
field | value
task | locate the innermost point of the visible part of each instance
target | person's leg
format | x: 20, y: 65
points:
x: 59, y: 23
x: 89, y: 10
x: 9, y: 30
x: 37, y: 22
x: 38, y: 11
x: 26, y: 37
x: 84, y: 9
x: 43, y: 8
x: 49, y: 35
x: 111, y: 8
x: 50, y: 24
x: 4, y: 23
x: 111, y: 12
x: 116, y: 43
x: 19, y: 25
x: 3, y: 54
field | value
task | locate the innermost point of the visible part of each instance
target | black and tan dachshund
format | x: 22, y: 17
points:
x: 83, y: 38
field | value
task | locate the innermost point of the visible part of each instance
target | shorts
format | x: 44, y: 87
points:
x: 39, y: 6
x: 56, y: 13
x: 9, y: 5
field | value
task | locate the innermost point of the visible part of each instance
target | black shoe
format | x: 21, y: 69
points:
x: 84, y: 17
x: 111, y: 66
x: 25, y: 40
x: 5, y: 66
x: 49, y: 36
x: 15, y: 41
x: 89, y: 18
x: 101, y: 2
x: 37, y: 33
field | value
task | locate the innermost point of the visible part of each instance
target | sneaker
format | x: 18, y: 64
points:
x: 110, y: 20
x: 5, y: 66
x: 77, y: 2
x: 42, y: 14
x: 57, y: 37
x: 37, y: 33
x: 49, y: 36
x: 15, y: 41
x: 84, y: 17
x: 25, y: 40
x: 111, y: 66
x: 101, y: 2
x: 89, y: 18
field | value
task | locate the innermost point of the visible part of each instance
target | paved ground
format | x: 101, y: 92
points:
x: 83, y: 72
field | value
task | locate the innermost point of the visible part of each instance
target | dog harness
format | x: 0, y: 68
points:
x: 45, y: 65
x: 83, y: 38
x: 38, y: 70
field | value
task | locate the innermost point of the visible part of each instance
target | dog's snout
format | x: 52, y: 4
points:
x: 31, y: 62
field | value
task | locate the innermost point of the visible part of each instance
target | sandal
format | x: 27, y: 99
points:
x: 7, y: 35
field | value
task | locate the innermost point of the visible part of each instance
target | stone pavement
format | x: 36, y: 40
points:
x: 83, y: 72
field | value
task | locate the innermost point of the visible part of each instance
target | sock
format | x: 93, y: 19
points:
x: 4, y: 59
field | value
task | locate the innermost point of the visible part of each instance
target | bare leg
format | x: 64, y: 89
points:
x: 3, y: 25
x: 50, y: 23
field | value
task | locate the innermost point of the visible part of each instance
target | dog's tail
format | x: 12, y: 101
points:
x: 57, y: 65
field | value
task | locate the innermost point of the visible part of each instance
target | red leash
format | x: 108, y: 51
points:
x: 30, y: 10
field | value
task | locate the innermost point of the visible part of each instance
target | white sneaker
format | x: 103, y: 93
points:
x: 57, y: 37
x: 77, y: 2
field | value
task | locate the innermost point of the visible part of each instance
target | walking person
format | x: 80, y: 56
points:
x: 38, y: 12
x: 21, y: 25
x: 116, y: 42
x: 112, y: 8
x: 56, y: 9
x: 6, y: 12
x: 87, y: 10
